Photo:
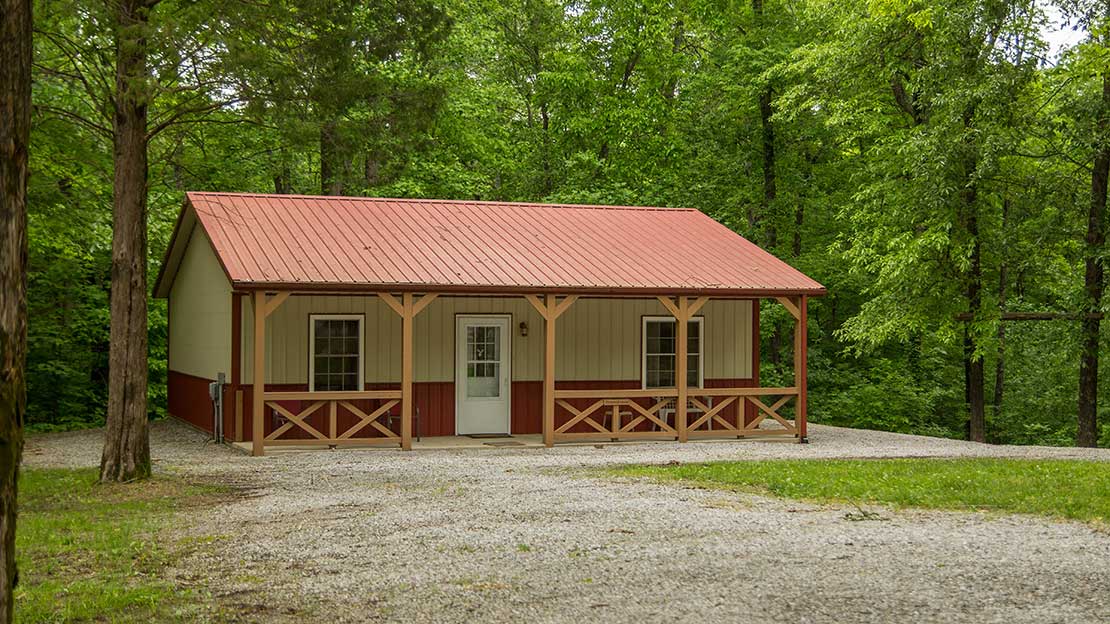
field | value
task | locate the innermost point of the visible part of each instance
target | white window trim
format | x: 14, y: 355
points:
x: 312, y: 318
x: 643, y: 347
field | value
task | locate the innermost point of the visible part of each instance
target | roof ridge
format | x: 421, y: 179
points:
x: 439, y: 201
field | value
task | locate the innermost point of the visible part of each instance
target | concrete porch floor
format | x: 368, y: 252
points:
x: 449, y: 443
x: 424, y: 444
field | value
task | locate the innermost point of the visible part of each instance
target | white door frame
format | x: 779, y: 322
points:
x: 460, y: 374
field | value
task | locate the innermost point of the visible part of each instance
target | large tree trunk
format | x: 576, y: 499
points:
x: 1003, y: 278
x: 973, y: 362
x: 15, y: 129
x: 1094, y: 279
x: 127, y: 443
x: 770, y: 190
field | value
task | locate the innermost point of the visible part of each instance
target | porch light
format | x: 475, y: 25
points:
x: 523, y: 328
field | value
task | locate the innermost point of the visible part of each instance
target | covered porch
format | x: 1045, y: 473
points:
x: 386, y: 414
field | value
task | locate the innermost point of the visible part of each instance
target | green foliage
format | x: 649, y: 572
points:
x: 87, y: 552
x: 909, y: 138
x: 1070, y: 489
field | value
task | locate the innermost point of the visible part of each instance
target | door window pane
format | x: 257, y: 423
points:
x: 483, y: 366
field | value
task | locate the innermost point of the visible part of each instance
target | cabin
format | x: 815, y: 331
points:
x: 337, y: 321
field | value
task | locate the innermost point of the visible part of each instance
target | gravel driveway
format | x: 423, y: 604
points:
x: 504, y: 535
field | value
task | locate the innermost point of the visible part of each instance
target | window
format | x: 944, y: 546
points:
x: 483, y: 361
x: 658, y: 366
x: 336, y: 362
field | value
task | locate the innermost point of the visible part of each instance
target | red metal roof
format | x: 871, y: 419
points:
x: 356, y: 243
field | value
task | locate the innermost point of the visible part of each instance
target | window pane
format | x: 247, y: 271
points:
x: 692, y: 337
x: 336, y: 355
x: 485, y: 382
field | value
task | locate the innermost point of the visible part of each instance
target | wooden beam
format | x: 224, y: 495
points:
x: 549, y: 372
x: 423, y: 303
x: 801, y: 367
x: 669, y: 304
x: 392, y: 302
x: 408, y: 312
x: 298, y: 419
x: 564, y: 304
x: 696, y: 307
x: 793, y: 308
x: 682, y: 326
x: 333, y: 408
x: 275, y: 302
x: 259, y: 371
x: 538, y: 304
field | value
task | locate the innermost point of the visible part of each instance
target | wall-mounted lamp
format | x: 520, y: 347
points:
x: 523, y: 328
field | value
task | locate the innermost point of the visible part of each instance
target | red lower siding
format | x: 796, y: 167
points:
x: 435, y: 402
x: 188, y: 399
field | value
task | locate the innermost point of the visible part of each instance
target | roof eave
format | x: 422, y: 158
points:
x: 647, y: 291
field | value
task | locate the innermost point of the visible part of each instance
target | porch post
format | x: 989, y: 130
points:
x: 407, y: 308
x: 258, y: 381
x: 682, y: 330
x: 549, y: 373
x: 550, y: 308
x: 406, y: 371
x: 800, y: 366
x: 263, y: 307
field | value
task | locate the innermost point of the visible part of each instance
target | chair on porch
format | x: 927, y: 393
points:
x: 391, y: 419
x: 693, y: 412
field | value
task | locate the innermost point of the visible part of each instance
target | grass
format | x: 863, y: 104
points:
x: 1072, y: 489
x: 87, y: 552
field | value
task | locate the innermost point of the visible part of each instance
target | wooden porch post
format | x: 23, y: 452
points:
x: 408, y: 308
x: 550, y: 309
x: 406, y: 371
x: 259, y: 374
x: 549, y: 373
x: 263, y: 307
x: 682, y: 330
x: 800, y: 366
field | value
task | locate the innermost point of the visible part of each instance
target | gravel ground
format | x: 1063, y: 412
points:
x: 505, y: 535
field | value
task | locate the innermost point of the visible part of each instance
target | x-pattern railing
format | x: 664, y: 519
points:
x: 333, y: 401
x: 618, y: 413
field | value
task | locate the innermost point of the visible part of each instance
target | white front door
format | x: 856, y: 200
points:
x: 482, y: 374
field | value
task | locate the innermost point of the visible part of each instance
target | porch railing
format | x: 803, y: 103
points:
x: 633, y: 414
x: 332, y: 402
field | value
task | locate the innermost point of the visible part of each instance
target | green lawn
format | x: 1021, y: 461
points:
x: 87, y: 553
x: 1078, y: 490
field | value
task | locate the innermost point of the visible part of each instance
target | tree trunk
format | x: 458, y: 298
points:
x: 977, y: 421
x: 331, y: 182
x: 1003, y: 276
x: 15, y: 129
x: 283, y: 179
x: 127, y: 443
x: 770, y: 190
x: 1094, y: 279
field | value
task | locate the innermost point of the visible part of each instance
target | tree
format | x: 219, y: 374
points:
x: 1091, y: 60
x: 15, y: 129
x: 100, y: 65
x: 947, y: 76
x: 127, y: 442
x: 350, y: 80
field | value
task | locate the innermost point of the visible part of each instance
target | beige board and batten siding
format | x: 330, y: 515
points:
x: 596, y: 339
x: 200, y: 313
